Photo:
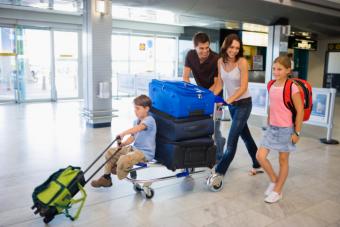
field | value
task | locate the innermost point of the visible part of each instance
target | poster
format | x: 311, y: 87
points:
x: 320, y: 111
x: 258, y: 92
x: 258, y: 62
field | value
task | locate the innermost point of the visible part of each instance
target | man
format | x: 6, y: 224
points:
x: 202, y: 62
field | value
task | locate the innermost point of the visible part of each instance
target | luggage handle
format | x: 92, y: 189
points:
x: 118, y: 139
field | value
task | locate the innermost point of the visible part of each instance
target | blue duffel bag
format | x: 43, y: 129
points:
x: 181, y: 99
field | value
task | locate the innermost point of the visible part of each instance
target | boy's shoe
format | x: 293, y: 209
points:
x: 101, y: 182
x: 269, y: 189
x: 273, y: 197
x: 133, y: 175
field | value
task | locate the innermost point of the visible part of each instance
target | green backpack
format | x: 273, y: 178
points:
x: 55, y: 195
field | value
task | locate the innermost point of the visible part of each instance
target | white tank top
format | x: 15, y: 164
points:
x: 232, y: 82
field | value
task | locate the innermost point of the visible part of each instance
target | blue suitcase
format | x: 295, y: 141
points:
x: 200, y: 152
x: 181, y: 99
x: 177, y: 129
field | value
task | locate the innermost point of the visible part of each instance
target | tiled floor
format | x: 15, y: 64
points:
x: 37, y: 139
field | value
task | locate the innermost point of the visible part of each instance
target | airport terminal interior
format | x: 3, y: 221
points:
x: 70, y: 70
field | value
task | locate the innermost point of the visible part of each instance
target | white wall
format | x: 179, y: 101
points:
x: 317, y: 62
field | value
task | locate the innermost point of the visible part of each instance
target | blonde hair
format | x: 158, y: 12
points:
x: 283, y: 60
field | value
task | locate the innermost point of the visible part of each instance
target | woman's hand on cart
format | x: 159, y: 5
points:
x: 220, y: 101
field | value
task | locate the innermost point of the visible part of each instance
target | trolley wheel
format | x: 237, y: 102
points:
x: 137, y: 187
x: 149, y: 192
x: 213, y: 186
x: 216, y: 188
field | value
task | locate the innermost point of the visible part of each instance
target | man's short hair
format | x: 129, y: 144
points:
x: 200, y: 37
x: 143, y: 100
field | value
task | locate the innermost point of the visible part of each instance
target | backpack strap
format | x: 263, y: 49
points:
x: 288, y: 98
x: 270, y: 83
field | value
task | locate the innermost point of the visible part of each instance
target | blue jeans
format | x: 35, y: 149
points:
x: 219, y: 140
x: 239, y: 115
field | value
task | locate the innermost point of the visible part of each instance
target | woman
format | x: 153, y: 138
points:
x: 233, y: 74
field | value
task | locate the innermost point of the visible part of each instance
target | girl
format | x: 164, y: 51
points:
x: 282, y: 134
x: 233, y: 73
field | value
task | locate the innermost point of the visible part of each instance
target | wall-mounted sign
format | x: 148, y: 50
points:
x: 255, y: 39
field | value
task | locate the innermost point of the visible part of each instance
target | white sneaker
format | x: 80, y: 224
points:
x: 273, y: 197
x: 269, y: 189
x: 215, y: 179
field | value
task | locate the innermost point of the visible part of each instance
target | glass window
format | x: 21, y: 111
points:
x: 183, y: 47
x: 61, y: 5
x: 36, y: 65
x: 66, y: 63
x: 34, y: 3
x: 120, y: 67
x: 165, y: 49
x: 142, y: 14
x: 142, y: 54
x: 148, y: 56
x: 5, y: 1
x: 166, y: 69
x: 166, y: 56
x: 141, y: 48
x: 120, y: 47
x: 7, y: 64
x: 67, y: 5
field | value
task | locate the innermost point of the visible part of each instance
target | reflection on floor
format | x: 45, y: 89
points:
x: 37, y: 139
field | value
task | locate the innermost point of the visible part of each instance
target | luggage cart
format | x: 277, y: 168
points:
x: 144, y: 185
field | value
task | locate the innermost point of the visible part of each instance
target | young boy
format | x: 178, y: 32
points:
x: 143, y: 134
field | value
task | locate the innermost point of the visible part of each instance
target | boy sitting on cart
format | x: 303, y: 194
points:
x: 143, y: 137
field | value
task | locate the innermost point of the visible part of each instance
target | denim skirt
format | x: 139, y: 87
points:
x: 279, y: 139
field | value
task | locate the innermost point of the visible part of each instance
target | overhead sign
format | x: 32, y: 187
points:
x: 302, y: 43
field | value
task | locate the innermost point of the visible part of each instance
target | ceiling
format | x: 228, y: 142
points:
x: 320, y: 17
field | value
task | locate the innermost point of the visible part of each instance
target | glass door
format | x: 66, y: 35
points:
x: 66, y: 64
x: 7, y: 64
x: 34, y: 74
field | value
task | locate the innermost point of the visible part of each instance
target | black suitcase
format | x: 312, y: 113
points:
x: 177, y: 129
x: 200, y: 152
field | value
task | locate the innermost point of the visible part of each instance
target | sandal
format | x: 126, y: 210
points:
x: 255, y: 171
